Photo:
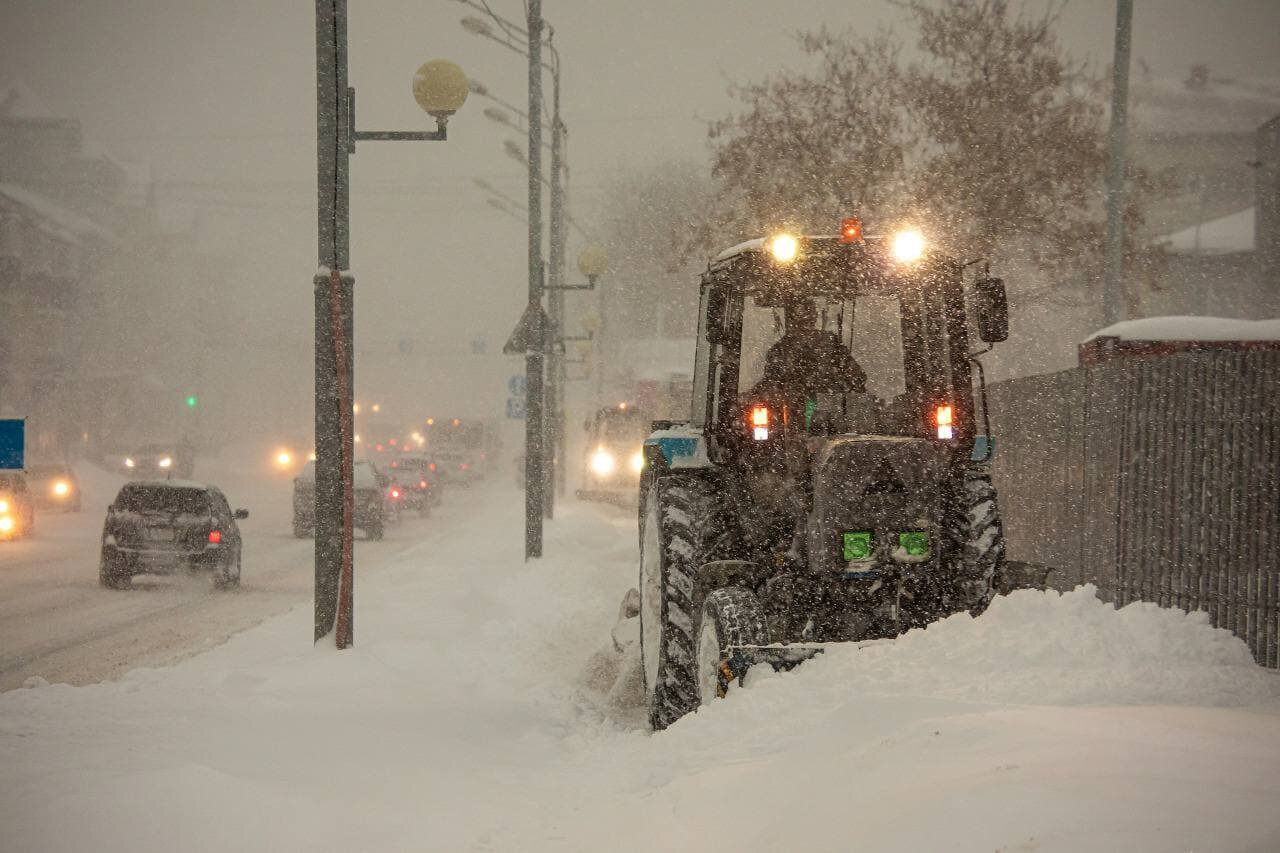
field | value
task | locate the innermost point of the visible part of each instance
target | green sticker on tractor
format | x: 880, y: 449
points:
x: 915, y: 543
x: 857, y: 546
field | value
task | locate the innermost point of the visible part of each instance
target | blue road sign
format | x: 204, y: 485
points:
x: 518, y: 386
x: 515, y: 407
x: 13, y: 444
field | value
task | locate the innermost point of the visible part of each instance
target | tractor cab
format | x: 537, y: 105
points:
x: 810, y: 336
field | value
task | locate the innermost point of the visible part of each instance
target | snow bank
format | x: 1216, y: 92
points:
x: 1191, y: 329
x: 1047, y: 648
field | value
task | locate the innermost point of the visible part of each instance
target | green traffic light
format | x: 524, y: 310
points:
x: 191, y: 402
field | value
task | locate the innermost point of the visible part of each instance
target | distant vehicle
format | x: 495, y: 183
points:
x: 159, y: 461
x: 289, y: 456
x: 373, y: 509
x: 54, y: 486
x: 461, y: 448
x: 614, y: 453
x: 161, y: 527
x: 17, y: 509
x: 415, y: 475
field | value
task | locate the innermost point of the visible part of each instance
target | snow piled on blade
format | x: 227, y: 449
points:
x: 1048, y: 648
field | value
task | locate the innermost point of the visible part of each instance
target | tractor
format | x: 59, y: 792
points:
x: 832, y: 483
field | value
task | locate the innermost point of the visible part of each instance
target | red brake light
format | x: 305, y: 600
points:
x: 422, y: 484
x: 392, y: 441
x: 378, y: 447
x: 464, y: 466
x: 431, y: 467
x: 395, y: 493
x: 215, y: 537
x: 851, y: 230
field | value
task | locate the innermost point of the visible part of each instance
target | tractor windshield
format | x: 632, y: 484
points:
x: 823, y: 345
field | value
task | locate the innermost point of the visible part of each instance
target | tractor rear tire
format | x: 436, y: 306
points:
x: 684, y: 527
x: 977, y: 537
x: 731, y: 617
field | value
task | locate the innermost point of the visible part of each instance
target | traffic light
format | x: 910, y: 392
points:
x: 191, y: 401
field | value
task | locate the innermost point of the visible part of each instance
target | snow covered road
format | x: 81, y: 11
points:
x: 479, y: 710
x: 58, y: 624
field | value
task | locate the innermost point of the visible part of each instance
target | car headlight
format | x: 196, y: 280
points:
x: 61, y: 488
x: 4, y: 506
x: 283, y: 458
x: 637, y: 461
x: 165, y: 462
x: 129, y: 463
x: 6, y: 523
x: 602, y: 462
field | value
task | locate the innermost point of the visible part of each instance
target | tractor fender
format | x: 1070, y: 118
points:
x: 719, y: 574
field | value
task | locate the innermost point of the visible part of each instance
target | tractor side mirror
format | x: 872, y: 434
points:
x: 716, y: 299
x: 241, y: 514
x: 991, y: 310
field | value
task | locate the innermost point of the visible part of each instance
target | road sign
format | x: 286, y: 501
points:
x: 522, y: 337
x: 518, y: 385
x: 516, y: 408
x: 12, y: 444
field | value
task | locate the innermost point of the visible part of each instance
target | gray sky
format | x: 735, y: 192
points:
x: 218, y: 97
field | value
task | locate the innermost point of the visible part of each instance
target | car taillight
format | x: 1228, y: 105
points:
x: 431, y: 467
x: 422, y: 484
x: 395, y: 494
x: 215, y: 537
x: 464, y: 466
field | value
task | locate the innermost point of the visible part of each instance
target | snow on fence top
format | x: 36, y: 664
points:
x: 1152, y: 336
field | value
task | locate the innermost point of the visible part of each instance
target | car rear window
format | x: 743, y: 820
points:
x: 163, y: 499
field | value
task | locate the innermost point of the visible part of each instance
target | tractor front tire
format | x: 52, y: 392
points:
x: 730, y: 617
x: 977, y: 539
x: 684, y: 527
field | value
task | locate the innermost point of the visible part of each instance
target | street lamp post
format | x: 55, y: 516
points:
x: 440, y: 88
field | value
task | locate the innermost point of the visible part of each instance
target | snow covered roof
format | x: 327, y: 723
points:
x: 746, y: 246
x: 1165, y: 105
x: 1191, y: 329
x: 75, y: 223
x: 1224, y: 235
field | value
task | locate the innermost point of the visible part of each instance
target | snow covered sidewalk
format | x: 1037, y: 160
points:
x: 472, y: 714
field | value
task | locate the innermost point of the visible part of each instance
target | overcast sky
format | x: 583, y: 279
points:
x: 217, y: 96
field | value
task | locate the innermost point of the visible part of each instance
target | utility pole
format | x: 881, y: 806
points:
x: 535, y: 479
x: 440, y: 88
x: 335, y: 364
x: 555, y: 378
x: 1114, y: 285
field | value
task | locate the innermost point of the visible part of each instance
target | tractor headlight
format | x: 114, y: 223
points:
x: 6, y: 523
x: 907, y: 246
x: 784, y: 248
x: 637, y: 461
x: 4, y: 506
x: 602, y: 462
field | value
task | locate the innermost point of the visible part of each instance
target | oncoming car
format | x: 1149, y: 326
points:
x: 162, y: 527
x: 54, y: 487
x: 614, y: 453
x: 159, y: 461
x: 17, y: 510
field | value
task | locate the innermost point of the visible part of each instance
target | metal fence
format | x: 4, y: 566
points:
x: 1156, y: 479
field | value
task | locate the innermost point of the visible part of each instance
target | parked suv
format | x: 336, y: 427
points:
x: 161, y: 527
x: 371, y: 497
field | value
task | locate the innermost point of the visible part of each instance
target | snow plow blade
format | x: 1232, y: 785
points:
x: 784, y: 656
